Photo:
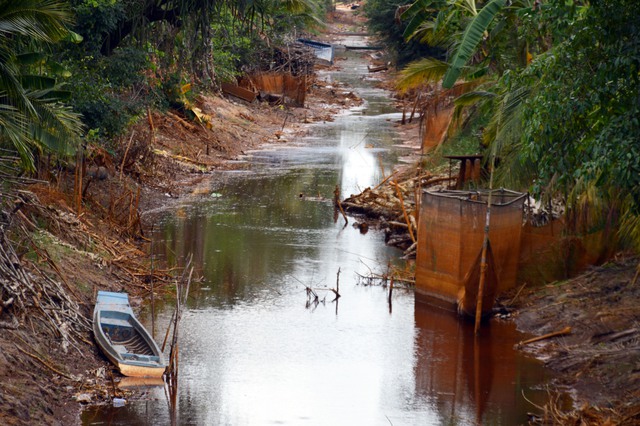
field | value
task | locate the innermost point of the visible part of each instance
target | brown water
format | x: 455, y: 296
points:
x: 254, y: 351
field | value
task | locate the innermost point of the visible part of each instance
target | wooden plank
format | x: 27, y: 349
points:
x: 239, y: 92
x: 350, y: 47
x: 377, y: 68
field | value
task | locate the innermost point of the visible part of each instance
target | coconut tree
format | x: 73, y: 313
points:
x: 470, y: 71
x: 32, y: 116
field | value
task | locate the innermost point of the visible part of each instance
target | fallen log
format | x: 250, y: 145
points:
x: 395, y: 224
x: 180, y: 120
x: 377, y: 68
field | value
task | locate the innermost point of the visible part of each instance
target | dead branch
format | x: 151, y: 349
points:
x: 564, y: 331
x: 336, y: 199
x: 43, y: 362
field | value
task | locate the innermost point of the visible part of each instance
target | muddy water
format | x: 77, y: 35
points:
x: 255, y: 350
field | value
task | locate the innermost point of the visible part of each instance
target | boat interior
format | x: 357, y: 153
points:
x: 124, y: 337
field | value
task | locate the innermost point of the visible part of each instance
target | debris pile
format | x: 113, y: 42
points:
x: 599, y: 358
x: 28, y: 295
x: 392, y: 206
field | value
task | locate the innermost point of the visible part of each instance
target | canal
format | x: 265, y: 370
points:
x: 255, y: 350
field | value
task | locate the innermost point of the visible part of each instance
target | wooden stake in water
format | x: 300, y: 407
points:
x: 182, y: 293
x: 483, y: 257
x: 153, y: 305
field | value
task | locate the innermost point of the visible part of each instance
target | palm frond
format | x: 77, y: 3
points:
x: 419, y: 73
x: 503, y: 137
x: 42, y: 20
x: 54, y: 118
x: 469, y: 5
x: 299, y: 7
x: 629, y: 231
x: 13, y: 131
x: 469, y: 99
x: 472, y: 98
x: 417, y: 13
x: 470, y: 39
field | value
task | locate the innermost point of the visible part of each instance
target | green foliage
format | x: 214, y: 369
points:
x: 33, y: 117
x: 110, y: 92
x: 384, y: 21
x: 230, y: 47
x: 421, y: 72
x: 582, y: 119
x: 94, y: 20
x: 137, y: 52
x: 560, y: 81
x: 470, y: 39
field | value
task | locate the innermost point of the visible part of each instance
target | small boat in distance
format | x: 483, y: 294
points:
x: 323, y: 51
x: 123, y: 339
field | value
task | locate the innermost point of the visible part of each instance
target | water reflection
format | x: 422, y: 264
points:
x: 472, y: 380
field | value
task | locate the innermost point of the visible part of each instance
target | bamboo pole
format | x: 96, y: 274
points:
x: 124, y: 157
x: 153, y: 301
x: 635, y: 277
x: 78, y: 179
x: 404, y: 211
x: 166, y: 335
x: 483, y: 258
x: 152, y: 129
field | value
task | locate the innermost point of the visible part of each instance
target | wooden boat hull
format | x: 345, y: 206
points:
x: 123, y: 339
x: 138, y: 382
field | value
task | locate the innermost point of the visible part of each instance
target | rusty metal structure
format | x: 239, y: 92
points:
x: 450, y: 236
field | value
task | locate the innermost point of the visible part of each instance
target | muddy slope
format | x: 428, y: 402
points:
x: 599, y: 361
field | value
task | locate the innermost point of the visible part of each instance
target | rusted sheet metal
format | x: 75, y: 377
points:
x: 450, y: 238
x: 239, y: 92
x: 289, y: 89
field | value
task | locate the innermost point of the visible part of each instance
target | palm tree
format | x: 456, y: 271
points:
x: 32, y: 116
x: 482, y: 43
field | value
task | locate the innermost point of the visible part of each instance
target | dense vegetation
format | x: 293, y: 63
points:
x: 557, y: 81
x: 81, y: 71
x: 385, y: 21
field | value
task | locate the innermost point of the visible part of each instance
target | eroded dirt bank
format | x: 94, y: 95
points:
x: 599, y: 361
